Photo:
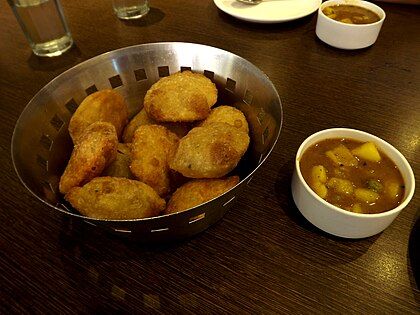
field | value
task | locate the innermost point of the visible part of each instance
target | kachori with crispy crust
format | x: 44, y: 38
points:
x: 181, y: 97
x: 229, y: 115
x: 105, y: 105
x: 198, y: 191
x: 180, y: 129
x: 105, y: 179
x: 153, y: 147
x: 210, y: 151
x: 96, y: 149
x: 115, y: 198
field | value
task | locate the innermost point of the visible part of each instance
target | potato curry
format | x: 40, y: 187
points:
x: 353, y: 175
x: 351, y: 14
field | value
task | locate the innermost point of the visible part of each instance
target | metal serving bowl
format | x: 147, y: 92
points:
x: 41, y: 145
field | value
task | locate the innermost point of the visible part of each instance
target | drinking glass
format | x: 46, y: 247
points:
x: 130, y: 9
x: 44, y: 26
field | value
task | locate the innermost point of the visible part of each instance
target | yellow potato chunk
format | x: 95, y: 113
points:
x: 356, y: 208
x: 332, y: 16
x: 319, y: 173
x: 341, y: 186
x: 342, y: 156
x: 346, y: 20
x: 366, y: 195
x: 367, y: 151
x: 320, y: 189
x: 393, y: 189
x: 328, y: 10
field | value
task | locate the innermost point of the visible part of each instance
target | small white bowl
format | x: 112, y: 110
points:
x: 348, y: 36
x: 334, y: 220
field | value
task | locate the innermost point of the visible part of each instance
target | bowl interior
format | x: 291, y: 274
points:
x: 364, y: 4
x: 41, y: 145
x: 399, y: 160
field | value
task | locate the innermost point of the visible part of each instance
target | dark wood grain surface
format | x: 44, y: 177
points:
x: 263, y: 256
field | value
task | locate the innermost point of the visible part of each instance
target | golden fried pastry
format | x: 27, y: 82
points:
x: 197, y: 192
x: 121, y: 166
x: 96, y: 149
x: 211, y: 151
x: 153, y: 146
x: 115, y: 198
x: 141, y: 119
x: 138, y: 120
x: 105, y: 105
x: 229, y: 115
x: 180, y: 97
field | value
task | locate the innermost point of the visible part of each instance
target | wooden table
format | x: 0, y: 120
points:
x: 263, y: 257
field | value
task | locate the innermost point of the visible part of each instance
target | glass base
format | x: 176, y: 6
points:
x: 53, y: 48
x: 130, y: 13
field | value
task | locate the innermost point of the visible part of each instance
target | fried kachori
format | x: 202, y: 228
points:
x: 96, y: 149
x: 153, y: 147
x: 229, y: 115
x: 141, y: 119
x: 198, y: 191
x: 116, y: 198
x: 181, y: 97
x: 160, y: 157
x: 105, y: 105
x: 210, y: 151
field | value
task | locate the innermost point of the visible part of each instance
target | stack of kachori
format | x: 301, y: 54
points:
x: 174, y: 154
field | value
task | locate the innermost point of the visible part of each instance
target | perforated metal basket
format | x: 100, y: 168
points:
x: 41, y: 145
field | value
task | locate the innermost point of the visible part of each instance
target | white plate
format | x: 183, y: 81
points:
x: 269, y: 11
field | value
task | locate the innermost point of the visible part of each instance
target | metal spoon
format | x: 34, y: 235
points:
x: 250, y: 1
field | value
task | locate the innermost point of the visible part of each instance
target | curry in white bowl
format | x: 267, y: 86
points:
x: 353, y: 175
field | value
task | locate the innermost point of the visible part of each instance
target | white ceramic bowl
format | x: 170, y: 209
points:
x: 334, y: 220
x: 348, y: 36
